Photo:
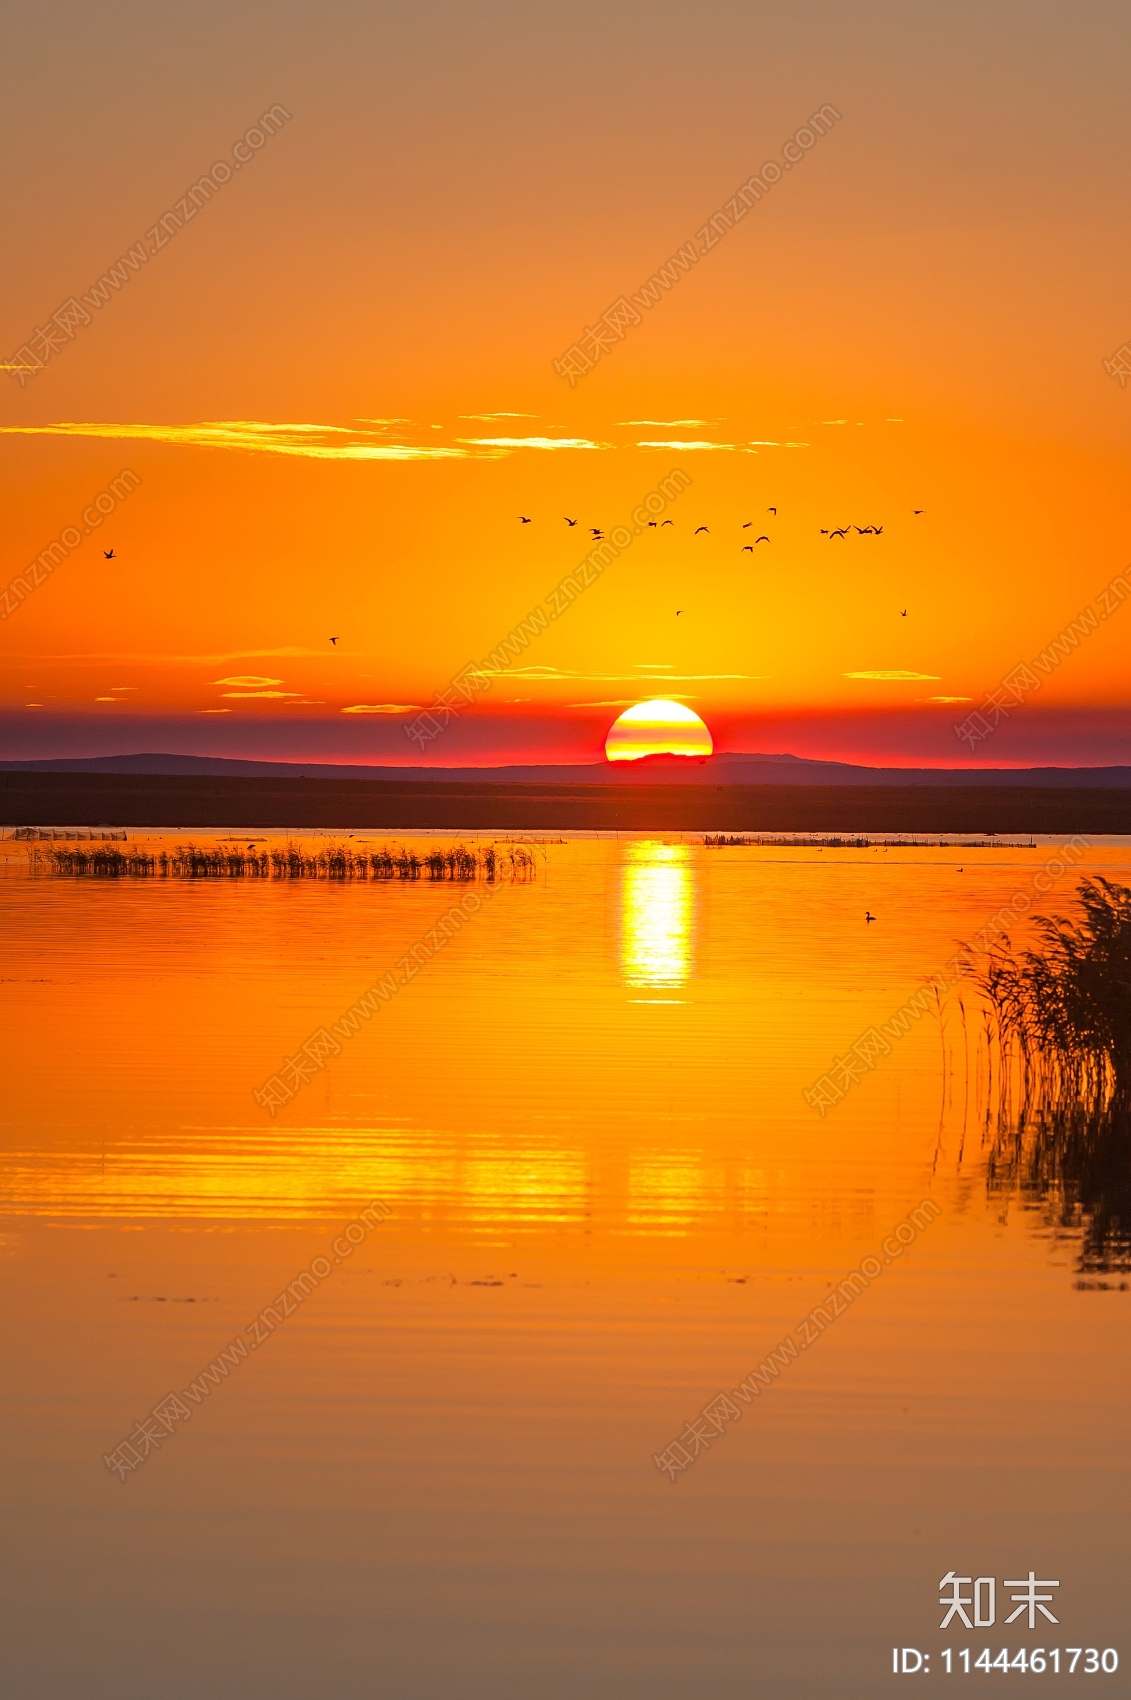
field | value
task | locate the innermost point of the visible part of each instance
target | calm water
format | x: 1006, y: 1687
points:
x: 608, y: 1201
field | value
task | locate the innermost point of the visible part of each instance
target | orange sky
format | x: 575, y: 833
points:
x: 914, y: 317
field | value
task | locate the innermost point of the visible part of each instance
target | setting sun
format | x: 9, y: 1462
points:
x: 655, y: 728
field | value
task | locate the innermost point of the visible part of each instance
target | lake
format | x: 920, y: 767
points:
x: 603, y: 1186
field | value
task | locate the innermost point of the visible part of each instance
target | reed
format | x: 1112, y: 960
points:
x: 457, y: 862
x: 1058, y: 1016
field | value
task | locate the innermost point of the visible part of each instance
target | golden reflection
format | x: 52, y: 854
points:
x: 657, y: 915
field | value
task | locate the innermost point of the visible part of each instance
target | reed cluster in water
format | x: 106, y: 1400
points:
x: 335, y: 861
x: 1059, y: 1015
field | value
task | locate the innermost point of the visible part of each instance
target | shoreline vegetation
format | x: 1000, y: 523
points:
x: 1057, y: 1015
x: 457, y: 862
x: 1052, y: 1077
x: 720, y: 841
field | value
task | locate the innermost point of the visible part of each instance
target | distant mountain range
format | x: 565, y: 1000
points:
x: 649, y: 770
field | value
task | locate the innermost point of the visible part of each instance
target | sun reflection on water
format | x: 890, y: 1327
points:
x: 657, y: 915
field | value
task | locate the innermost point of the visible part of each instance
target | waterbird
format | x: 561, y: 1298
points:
x: 841, y: 531
x: 108, y: 554
x: 762, y: 539
x: 903, y: 613
x: 333, y: 640
x: 868, y: 916
x: 678, y: 612
x: 918, y: 510
x: 746, y: 524
x: 747, y: 549
x: 700, y: 528
x: 664, y: 522
x: 772, y: 511
x: 524, y: 519
x: 568, y: 520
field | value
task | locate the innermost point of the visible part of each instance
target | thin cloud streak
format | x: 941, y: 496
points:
x: 308, y: 442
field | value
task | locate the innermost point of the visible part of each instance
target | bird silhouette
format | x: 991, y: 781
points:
x: 903, y: 613
x: 333, y: 640
x: 762, y: 539
x: 568, y: 520
x: 524, y: 519
x: 918, y: 510
x: 108, y: 554
x: 824, y: 533
x: 746, y: 524
x: 841, y: 531
x: 868, y: 916
x: 664, y: 522
x: 678, y: 612
x: 747, y: 549
x: 595, y: 531
x: 877, y: 531
x: 772, y: 511
x: 700, y: 528
x: 652, y: 524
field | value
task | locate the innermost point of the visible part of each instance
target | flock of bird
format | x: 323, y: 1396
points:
x: 596, y: 532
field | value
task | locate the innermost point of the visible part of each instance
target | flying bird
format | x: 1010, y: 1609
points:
x: 652, y: 524
x: 877, y: 531
x: 678, y: 612
x: 664, y: 522
x: 700, y: 528
x: 568, y: 520
x: 903, y: 613
x: 747, y: 549
x: 524, y: 519
x: 772, y: 511
x: 333, y: 640
x: 108, y: 554
x: 923, y: 511
x: 842, y: 531
x: 762, y: 539
x: 746, y: 524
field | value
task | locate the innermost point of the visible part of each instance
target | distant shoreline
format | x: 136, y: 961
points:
x: 197, y: 801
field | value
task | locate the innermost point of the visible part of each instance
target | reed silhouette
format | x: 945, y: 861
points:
x: 335, y: 861
x: 1057, y: 1105
x: 1061, y: 1013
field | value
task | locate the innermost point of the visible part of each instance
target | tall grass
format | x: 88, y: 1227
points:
x: 335, y: 861
x: 1059, y: 1014
x: 1054, y: 1093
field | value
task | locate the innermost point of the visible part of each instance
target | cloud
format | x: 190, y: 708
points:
x: 383, y: 708
x: 669, y: 424
x: 489, y: 418
x: 946, y: 699
x: 310, y: 442
x: 700, y: 444
x: 276, y: 695
x: 214, y: 711
x: 250, y: 680
x: 627, y: 702
x: 532, y: 443
x: 105, y: 699
x: 550, y: 675
x: 891, y: 676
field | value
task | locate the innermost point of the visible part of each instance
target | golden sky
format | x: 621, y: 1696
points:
x: 331, y: 375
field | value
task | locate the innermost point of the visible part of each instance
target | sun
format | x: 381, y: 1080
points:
x: 657, y: 728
